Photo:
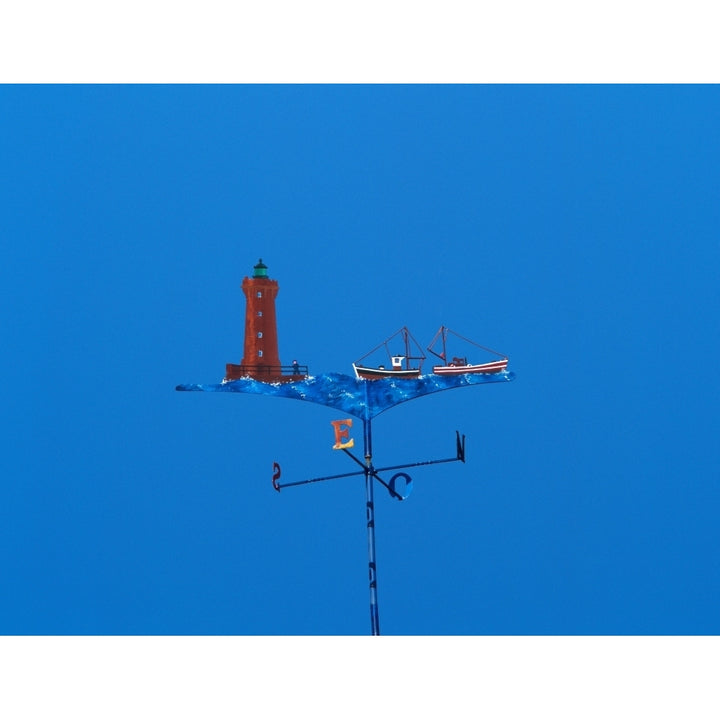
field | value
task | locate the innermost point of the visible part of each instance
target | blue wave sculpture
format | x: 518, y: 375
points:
x: 364, y: 399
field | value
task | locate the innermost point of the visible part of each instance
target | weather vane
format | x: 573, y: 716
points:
x: 377, y: 386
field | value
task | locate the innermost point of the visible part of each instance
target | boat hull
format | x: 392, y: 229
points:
x: 368, y: 373
x: 491, y: 367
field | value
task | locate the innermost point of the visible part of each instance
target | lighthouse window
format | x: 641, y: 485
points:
x: 259, y: 313
x: 259, y: 293
x: 259, y: 334
x: 259, y: 353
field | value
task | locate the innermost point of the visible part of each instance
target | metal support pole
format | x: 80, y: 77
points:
x: 372, y: 568
x: 371, y: 473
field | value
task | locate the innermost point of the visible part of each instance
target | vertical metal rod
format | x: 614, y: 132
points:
x: 372, y: 568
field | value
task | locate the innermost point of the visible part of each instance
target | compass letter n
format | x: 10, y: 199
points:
x: 342, y: 434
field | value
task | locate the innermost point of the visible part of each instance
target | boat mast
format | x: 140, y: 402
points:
x: 443, y: 333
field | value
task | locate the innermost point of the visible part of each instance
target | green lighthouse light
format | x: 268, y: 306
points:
x: 260, y: 270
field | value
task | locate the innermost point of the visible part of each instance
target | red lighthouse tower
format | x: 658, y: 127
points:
x: 261, y: 359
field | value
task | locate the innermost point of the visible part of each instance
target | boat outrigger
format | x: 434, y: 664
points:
x: 460, y: 365
x: 400, y: 363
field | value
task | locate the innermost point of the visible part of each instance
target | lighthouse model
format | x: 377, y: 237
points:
x: 261, y: 360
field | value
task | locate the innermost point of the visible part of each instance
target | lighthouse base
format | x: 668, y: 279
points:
x: 266, y: 373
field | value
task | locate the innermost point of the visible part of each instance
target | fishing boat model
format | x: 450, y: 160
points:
x: 460, y: 365
x: 400, y: 363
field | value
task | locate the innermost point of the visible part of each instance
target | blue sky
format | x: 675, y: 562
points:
x: 574, y: 228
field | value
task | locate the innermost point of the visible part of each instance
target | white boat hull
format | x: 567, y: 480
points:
x: 368, y: 373
x: 491, y: 367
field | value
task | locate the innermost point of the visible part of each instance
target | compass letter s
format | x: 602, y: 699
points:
x: 342, y: 434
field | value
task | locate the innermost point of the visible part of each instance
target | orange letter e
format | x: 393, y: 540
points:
x: 342, y: 433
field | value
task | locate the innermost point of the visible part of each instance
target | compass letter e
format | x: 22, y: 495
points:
x: 342, y: 434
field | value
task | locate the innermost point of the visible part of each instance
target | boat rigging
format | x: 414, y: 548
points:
x: 401, y: 365
x: 459, y: 365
